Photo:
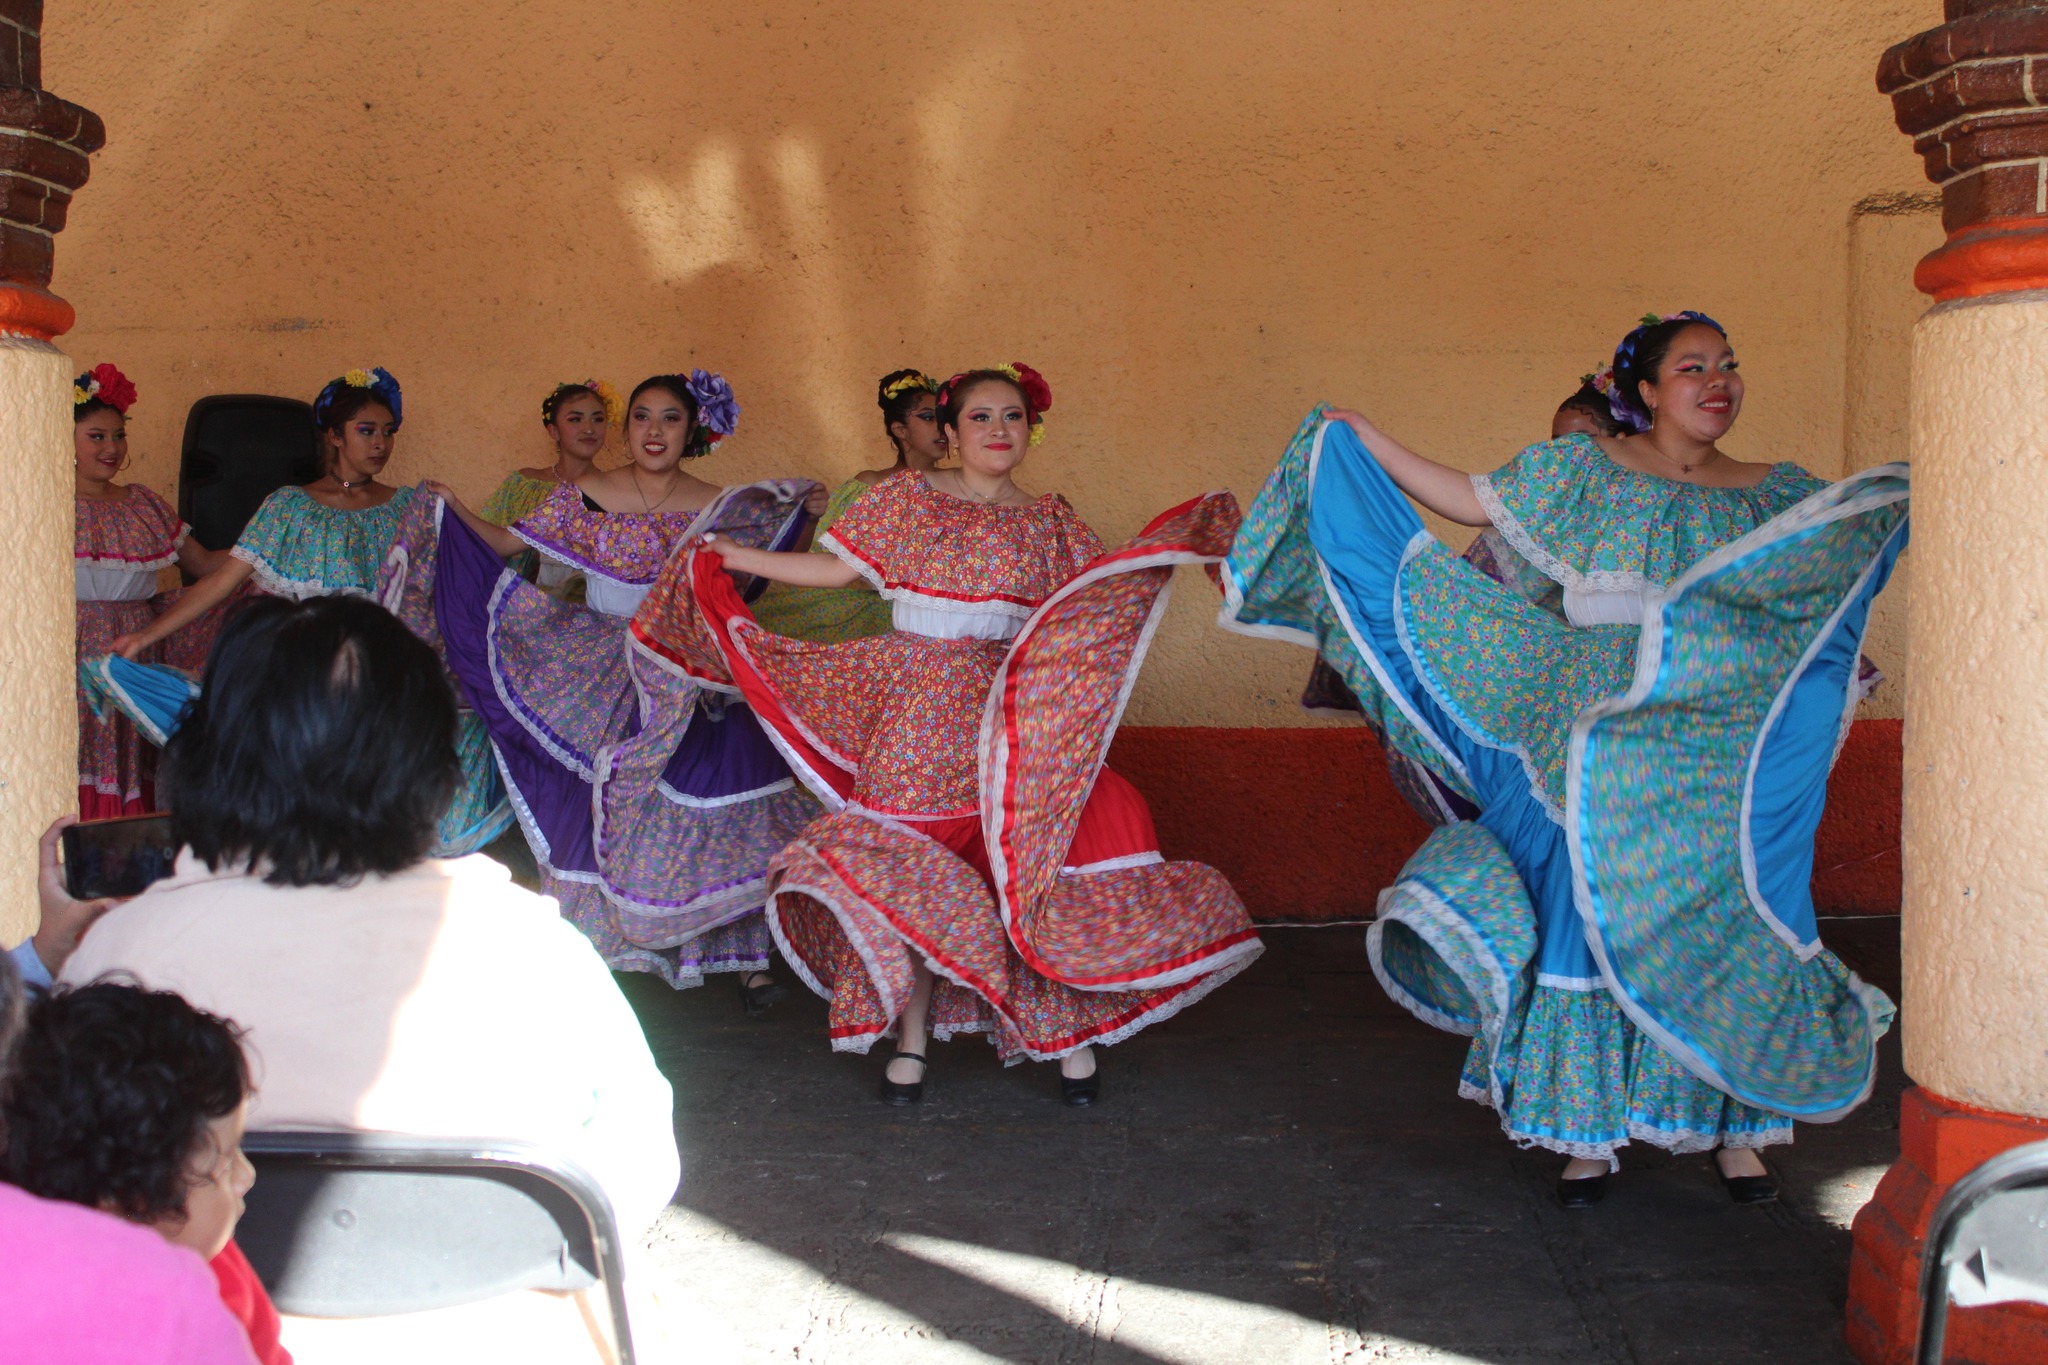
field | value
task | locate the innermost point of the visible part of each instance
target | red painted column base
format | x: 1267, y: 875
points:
x: 1940, y: 1141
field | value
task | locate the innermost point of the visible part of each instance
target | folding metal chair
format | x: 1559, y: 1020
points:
x: 1987, y: 1243
x: 349, y: 1225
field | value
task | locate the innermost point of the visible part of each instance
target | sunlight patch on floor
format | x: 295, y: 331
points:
x: 1840, y: 1198
x: 1166, y: 1322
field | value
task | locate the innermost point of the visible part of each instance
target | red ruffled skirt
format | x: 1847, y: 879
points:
x: 973, y: 826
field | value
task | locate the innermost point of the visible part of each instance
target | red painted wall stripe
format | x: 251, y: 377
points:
x: 1308, y: 827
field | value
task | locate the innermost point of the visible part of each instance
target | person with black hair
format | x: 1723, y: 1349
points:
x: 981, y: 870
x: 124, y: 536
x: 380, y: 989
x: 330, y: 536
x: 577, y: 416
x: 1590, y: 409
x: 133, y: 1102
x: 1639, y: 717
x: 80, y: 1284
x: 651, y: 807
x: 909, y: 400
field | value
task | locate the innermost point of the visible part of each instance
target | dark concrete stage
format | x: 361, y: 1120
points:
x: 1284, y: 1174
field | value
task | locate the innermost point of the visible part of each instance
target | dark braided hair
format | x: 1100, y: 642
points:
x: 552, y: 404
x: 700, y: 440
x: 1641, y: 355
x: 910, y: 385
x: 112, y: 1091
x: 1594, y: 404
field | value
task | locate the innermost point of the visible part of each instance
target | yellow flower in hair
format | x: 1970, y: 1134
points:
x: 909, y: 382
x: 358, y: 379
x: 1037, y: 435
x: 79, y: 395
x: 614, y: 406
x: 1009, y: 372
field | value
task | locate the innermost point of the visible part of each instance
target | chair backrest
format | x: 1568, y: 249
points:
x: 344, y: 1225
x: 1987, y: 1243
x: 239, y: 449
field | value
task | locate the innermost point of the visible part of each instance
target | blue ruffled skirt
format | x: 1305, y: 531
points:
x: 1625, y: 929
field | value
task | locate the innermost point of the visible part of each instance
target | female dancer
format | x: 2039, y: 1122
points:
x: 1625, y: 928
x: 331, y: 536
x: 981, y: 870
x: 577, y: 418
x: 651, y: 815
x: 125, y: 535
x: 909, y: 403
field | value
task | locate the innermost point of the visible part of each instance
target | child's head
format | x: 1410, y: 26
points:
x: 130, y: 1101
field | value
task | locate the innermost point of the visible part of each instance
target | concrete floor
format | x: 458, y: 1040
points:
x: 1283, y: 1174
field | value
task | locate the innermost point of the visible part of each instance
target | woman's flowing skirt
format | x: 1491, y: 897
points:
x: 116, y: 757
x: 652, y: 810
x: 972, y: 826
x: 1625, y: 929
x: 116, y: 766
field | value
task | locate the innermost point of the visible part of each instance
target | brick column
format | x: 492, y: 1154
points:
x: 44, y: 142
x: 1973, y: 94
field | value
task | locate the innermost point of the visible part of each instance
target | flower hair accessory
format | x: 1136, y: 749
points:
x: 916, y: 379
x: 105, y: 383
x: 614, y: 406
x: 1037, y: 393
x: 718, y: 412
x: 378, y: 380
x: 1627, y: 409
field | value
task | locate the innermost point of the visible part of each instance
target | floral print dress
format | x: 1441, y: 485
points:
x: 972, y: 826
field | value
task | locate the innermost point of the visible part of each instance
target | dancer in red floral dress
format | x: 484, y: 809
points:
x: 980, y: 870
x: 125, y: 534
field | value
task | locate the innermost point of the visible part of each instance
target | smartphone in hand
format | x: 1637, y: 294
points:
x: 117, y: 857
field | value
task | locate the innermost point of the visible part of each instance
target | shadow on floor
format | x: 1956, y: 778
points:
x: 1282, y: 1174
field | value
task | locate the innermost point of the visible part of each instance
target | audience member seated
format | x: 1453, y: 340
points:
x: 132, y: 1102
x: 378, y: 989
x: 88, y: 1288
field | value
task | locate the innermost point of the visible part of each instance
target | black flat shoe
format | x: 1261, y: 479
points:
x: 1078, y: 1092
x: 1749, y: 1189
x: 1582, y: 1194
x: 904, y: 1092
x: 757, y: 1000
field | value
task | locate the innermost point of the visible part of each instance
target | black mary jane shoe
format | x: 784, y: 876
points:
x: 1078, y: 1092
x: 904, y: 1092
x: 758, y: 1000
x: 1748, y: 1189
x: 1583, y: 1193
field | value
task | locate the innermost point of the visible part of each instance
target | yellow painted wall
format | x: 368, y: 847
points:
x: 39, y: 724
x: 1976, y: 912
x: 1196, y: 218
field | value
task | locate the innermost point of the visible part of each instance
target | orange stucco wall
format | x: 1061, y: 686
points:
x: 1196, y: 219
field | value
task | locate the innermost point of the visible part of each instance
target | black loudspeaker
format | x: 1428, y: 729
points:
x: 239, y: 449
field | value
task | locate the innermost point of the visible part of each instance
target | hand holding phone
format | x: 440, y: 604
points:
x: 117, y: 858
x: 62, y: 917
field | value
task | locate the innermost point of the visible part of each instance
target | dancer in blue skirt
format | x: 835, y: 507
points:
x: 1643, y: 714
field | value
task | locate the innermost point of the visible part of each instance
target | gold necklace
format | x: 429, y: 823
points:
x: 960, y: 478
x: 647, y: 507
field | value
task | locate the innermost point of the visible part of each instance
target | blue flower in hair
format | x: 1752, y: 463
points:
x: 718, y: 412
x: 378, y: 380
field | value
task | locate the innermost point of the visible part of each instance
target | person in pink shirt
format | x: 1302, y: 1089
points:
x: 132, y: 1102
x: 87, y: 1288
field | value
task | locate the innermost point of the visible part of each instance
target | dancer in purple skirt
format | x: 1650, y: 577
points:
x: 652, y: 807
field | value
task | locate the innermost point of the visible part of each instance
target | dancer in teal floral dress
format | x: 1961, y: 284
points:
x: 327, y: 537
x: 1643, y: 714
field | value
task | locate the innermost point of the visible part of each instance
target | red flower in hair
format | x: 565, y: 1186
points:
x: 1036, y: 391
x: 115, y: 390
